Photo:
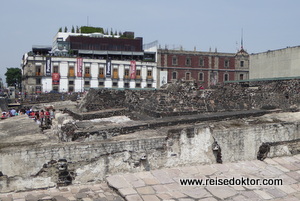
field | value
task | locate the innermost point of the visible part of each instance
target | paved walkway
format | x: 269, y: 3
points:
x: 165, y: 184
x: 97, y: 192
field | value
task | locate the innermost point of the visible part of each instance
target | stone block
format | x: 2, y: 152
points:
x: 147, y: 190
x: 133, y: 198
x: 263, y: 194
x: 127, y: 191
x: 150, y: 198
x: 221, y: 192
x: 196, y: 193
x: 117, y: 181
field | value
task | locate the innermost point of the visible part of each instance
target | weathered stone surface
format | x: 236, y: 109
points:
x: 101, y: 149
x: 221, y: 192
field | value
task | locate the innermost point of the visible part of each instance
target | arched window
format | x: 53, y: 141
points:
x: 226, y: 77
x: 174, y: 75
x: 188, y: 76
x: 201, y: 76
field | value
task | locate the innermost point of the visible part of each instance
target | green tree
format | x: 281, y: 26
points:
x: 60, y: 29
x: 66, y: 29
x: 13, y: 77
x: 77, y: 29
x: 73, y: 29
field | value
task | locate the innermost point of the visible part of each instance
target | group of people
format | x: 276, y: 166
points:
x: 41, y: 117
x: 11, y: 113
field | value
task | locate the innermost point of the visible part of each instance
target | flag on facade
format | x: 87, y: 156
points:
x: 132, y: 69
x: 108, y: 68
x: 79, y: 67
x: 48, y: 66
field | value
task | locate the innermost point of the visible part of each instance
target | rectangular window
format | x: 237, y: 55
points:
x: 138, y: 74
x: 115, y: 73
x: 242, y: 63
x: 55, y: 88
x: 126, y: 85
x: 71, y: 72
x: 87, y: 83
x: 101, y: 72
x: 149, y: 85
x: 38, y: 71
x: 71, y: 82
x: 188, y: 61
x: 101, y: 84
x: 138, y: 85
x: 201, y: 62
x: 55, y: 69
x: 38, y: 81
x: 174, y: 60
x: 87, y: 72
x: 115, y: 84
x: 149, y: 74
x: 126, y: 74
x: 226, y: 64
x: 241, y: 76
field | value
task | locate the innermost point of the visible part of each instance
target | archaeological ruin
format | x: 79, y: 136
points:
x: 110, y: 131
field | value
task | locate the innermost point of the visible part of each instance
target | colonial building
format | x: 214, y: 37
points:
x: 203, y: 68
x: 77, y: 62
x: 282, y: 63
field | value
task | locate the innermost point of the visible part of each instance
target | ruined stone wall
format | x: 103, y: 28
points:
x: 183, y: 98
x: 48, y: 97
x: 29, y: 167
x: 25, y: 166
x: 3, y: 104
x: 99, y: 99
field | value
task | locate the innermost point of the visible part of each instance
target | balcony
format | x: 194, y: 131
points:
x: 71, y: 75
x: 115, y: 78
x: 126, y: 77
x: 149, y: 79
x: 138, y: 78
x: 87, y: 75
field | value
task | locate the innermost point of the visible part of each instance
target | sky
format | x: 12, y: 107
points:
x: 216, y: 24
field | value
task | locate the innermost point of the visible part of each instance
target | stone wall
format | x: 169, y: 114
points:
x: 3, y: 104
x: 49, y: 97
x: 30, y: 166
x: 182, y: 98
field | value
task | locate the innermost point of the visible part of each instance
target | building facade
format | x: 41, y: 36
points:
x: 275, y: 64
x: 78, y: 63
x: 203, y: 68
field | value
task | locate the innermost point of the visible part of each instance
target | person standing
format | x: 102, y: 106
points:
x: 13, y: 112
x: 42, y: 116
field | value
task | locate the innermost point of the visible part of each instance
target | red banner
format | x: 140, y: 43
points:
x: 55, y: 78
x: 79, y: 67
x: 132, y: 70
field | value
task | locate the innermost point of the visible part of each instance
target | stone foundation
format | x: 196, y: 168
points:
x: 30, y: 166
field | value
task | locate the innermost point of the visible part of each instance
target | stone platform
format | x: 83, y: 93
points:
x: 164, y: 184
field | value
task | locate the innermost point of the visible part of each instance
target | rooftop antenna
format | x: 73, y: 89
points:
x: 242, y: 45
